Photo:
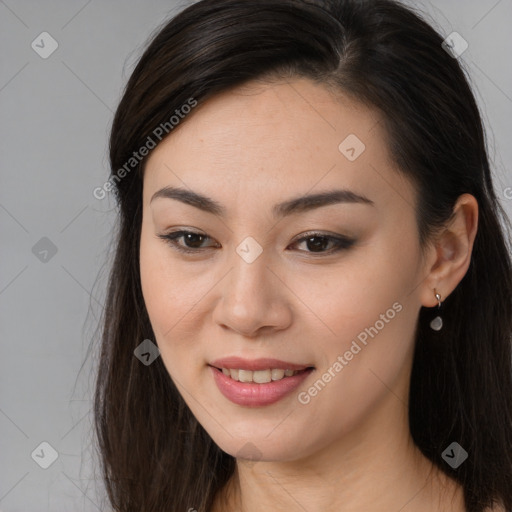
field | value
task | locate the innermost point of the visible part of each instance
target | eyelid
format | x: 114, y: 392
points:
x: 341, y: 242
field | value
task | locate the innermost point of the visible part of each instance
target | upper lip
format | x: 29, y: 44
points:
x: 264, y: 363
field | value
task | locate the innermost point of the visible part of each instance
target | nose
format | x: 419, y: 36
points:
x: 253, y: 299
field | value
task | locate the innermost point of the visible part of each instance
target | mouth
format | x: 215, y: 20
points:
x: 260, y: 376
x: 257, y: 383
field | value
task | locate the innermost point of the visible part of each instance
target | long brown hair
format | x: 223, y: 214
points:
x: 155, y: 456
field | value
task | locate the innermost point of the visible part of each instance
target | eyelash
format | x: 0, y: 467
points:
x: 340, y: 242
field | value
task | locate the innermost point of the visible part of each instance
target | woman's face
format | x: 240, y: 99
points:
x: 263, y: 283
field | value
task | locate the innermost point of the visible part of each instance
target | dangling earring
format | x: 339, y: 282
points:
x: 437, y: 323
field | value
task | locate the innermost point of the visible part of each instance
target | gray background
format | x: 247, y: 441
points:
x: 55, y: 117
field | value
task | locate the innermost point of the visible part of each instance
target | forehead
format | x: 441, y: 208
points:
x: 274, y: 140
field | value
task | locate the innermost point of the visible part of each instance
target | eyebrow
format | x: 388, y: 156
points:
x: 295, y: 205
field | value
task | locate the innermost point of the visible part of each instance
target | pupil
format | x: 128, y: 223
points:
x: 189, y: 235
x: 319, y: 245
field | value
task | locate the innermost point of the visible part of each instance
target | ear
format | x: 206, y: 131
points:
x: 450, y: 255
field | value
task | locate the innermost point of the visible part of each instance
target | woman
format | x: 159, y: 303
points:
x: 309, y: 234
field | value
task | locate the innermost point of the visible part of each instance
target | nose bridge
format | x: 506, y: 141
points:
x: 250, y: 276
x: 251, y: 295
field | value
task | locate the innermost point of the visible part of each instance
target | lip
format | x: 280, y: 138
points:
x: 264, y: 363
x: 251, y: 394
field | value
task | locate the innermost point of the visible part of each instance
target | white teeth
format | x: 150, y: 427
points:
x: 258, y: 376
x: 277, y: 374
x: 261, y: 376
x: 245, y: 375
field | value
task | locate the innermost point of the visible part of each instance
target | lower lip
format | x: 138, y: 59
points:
x: 256, y: 395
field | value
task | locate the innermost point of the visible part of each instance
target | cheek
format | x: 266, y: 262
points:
x: 156, y: 289
x: 164, y: 296
x: 347, y: 298
x: 168, y: 291
x: 174, y: 295
x: 364, y: 311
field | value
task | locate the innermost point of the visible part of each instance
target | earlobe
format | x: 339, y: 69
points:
x: 453, y: 248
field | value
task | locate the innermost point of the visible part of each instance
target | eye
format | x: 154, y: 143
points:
x: 315, y: 242
x: 195, y: 239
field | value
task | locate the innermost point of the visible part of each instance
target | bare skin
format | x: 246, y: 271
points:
x: 349, y: 447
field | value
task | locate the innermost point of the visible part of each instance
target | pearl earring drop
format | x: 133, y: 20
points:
x: 437, y: 323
